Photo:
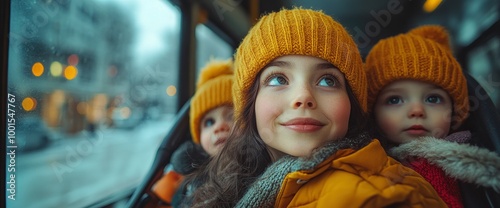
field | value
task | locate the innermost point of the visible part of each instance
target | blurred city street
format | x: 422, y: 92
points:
x: 84, y: 169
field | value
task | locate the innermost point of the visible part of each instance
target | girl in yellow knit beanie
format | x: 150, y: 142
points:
x: 418, y: 95
x: 300, y: 136
x: 211, y: 120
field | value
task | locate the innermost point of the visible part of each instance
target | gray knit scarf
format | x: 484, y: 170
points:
x: 263, y: 192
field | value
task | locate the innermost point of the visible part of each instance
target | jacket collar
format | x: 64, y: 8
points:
x: 460, y: 161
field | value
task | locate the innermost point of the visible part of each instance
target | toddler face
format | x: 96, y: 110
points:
x: 302, y: 103
x: 216, y: 126
x: 409, y: 109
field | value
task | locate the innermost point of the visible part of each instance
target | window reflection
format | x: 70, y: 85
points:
x: 210, y: 46
x: 95, y: 86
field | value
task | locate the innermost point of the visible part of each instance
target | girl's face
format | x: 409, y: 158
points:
x: 302, y: 103
x: 408, y: 109
x: 216, y: 126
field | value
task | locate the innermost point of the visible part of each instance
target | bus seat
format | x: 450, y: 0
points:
x: 483, y: 118
x: 178, y: 134
x: 483, y: 123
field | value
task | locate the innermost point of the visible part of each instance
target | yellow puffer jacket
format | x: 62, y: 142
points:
x: 347, y: 178
x: 379, y: 181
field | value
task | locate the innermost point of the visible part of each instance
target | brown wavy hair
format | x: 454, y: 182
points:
x: 227, y: 176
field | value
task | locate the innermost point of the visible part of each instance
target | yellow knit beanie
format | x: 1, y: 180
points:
x: 296, y: 32
x: 212, y: 90
x: 423, y: 54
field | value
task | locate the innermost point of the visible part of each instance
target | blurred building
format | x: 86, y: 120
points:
x: 72, y: 58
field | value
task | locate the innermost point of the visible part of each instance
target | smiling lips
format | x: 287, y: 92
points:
x: 416, y: 130
x: 220, y: 138
x: 303, y: 124
x: 220, y: 141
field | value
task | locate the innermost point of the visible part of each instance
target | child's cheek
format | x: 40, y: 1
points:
x: 267, y: 110
x: 388, y: 127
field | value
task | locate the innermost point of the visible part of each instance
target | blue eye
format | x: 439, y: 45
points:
x: 434, y: 99
x: 208, y: 122
x: 328, y: 81
x: 276, y: 80
x: 393, y: 100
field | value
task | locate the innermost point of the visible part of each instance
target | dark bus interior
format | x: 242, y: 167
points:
x: 474, y: 28
x: 368, y: 22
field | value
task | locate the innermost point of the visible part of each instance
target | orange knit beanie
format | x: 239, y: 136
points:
x: 423, y: 54
x: 212, y: 90
x: 296, y: 32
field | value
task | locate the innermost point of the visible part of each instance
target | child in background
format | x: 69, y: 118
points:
x: 418, y: 96
x: 300, y: 131
x: 211, y: 120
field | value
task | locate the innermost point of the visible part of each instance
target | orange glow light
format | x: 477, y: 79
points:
x: 431, y: 5
x: 70, y: 72
x: 37, y: 69
x: 171, y: 90
x: 29, y: 104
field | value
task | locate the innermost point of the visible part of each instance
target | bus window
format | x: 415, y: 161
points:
x: 210, y: 45
x: 93, y: 87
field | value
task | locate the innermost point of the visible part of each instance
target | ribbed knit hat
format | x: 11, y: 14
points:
x: 212, y: 90
x: 423, y: 54
x: 296, y: 32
